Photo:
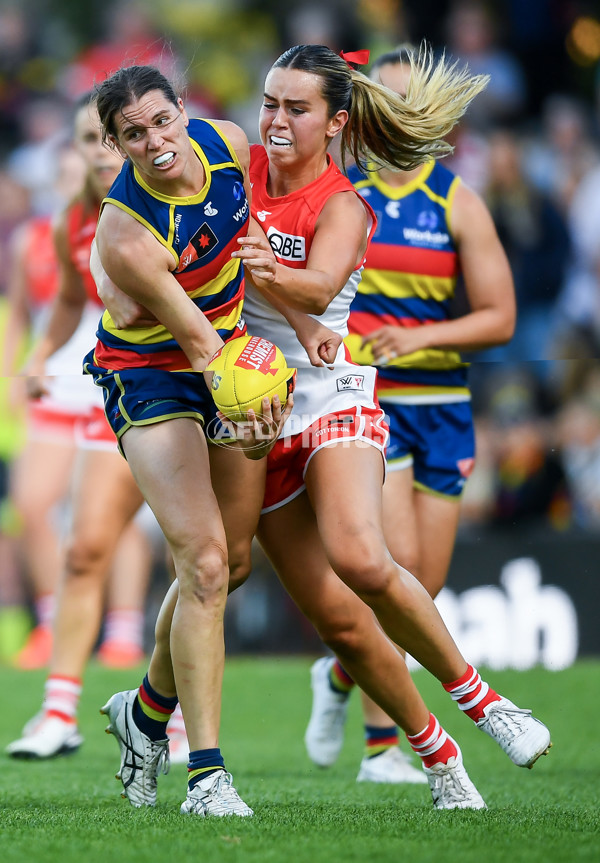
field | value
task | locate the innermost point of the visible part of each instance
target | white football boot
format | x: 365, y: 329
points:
x: 215, y: 796
x: 451, y: 787
x: 516, y: 731
x: 392, y: 766
x: 324, y: 735
x: 142, y: 759
x: 46, y: 737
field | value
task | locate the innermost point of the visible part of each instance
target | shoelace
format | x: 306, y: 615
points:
x: 158, y: 758
x: 223, y: 787
x: 508, y: 719
x: 451, y: 786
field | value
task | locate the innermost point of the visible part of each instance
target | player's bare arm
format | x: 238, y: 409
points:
x: 140, y: 266
x: 488, y: 284
x: 339, y: 242
x: 65, y: 312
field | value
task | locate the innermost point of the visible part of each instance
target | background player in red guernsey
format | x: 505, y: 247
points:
x: 104, y: 497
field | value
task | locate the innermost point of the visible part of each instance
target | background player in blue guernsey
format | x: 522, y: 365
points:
x: 165, y: 236
x: 431, y: 226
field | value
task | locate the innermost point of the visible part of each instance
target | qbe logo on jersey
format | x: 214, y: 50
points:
x: 350, y: 382
x: 287, y: 246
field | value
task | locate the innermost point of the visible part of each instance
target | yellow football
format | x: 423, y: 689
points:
x: 245, y: 370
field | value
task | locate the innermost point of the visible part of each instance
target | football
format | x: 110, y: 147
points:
x: 245, y: 370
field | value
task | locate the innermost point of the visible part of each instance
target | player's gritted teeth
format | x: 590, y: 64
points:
x: 164, y: 160
x: 279, y: 142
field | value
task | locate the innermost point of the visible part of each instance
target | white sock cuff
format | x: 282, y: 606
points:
x: 431, y: 744
x: 471, y: 684
x: 483, y: 691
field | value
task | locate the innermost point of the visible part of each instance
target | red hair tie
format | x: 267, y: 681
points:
x: 360, y: 58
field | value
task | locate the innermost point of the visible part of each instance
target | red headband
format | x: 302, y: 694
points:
x: 360, y: 58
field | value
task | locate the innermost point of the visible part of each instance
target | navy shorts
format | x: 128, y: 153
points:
x: 437, y: 440
x: 143, y: 396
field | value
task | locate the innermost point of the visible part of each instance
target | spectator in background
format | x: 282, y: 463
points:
x: 473, y: 37
x: 131, y: 38
x: 16, y: 49
x: 579, y: 302
x: 536, y: 241
x: 530, y: 485
x: 578, y: 435
x: 477, y: 501
x: 34, y: 162
x: 563, y: 151
x: 470, y: 158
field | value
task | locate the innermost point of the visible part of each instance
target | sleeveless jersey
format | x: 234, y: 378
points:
x: 200, y: 232
x: 289, y: 223
x: 81, y: 228
x: 409, y: 280
x: 69, y: 391
x: 41, y: 265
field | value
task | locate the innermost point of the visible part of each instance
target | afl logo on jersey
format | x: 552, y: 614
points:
x: 287, y: 246
x: 350, y: 382
x: 238, y: 190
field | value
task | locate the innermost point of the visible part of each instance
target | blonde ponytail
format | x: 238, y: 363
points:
x: 402, y: 132
x: 393, y: 131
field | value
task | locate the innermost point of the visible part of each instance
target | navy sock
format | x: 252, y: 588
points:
x: 379, y: 740
x: 151, y: 711
x: 202, y: 763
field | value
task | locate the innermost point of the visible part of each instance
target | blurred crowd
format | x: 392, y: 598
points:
x: 530, y: 146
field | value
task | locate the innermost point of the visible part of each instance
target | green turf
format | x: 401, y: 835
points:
x: 69, y: 810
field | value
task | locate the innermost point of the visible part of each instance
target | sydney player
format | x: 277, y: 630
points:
x: 322, y: 524
x: 431, y: 226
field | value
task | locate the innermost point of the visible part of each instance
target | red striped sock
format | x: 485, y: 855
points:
x: 44, y: 609
x: 339, y: 679
x: 61, y: 696
x: 471, y: 693
x: 433, y: 745
x: 124, y: 626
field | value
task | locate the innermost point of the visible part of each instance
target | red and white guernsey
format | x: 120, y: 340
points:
x: 81, y: 220
x: 69, y: 390
x: 289, y: 223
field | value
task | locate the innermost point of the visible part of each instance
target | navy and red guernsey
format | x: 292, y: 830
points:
x: 200, y: 232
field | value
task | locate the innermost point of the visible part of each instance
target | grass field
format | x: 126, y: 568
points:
x: 69, y: 810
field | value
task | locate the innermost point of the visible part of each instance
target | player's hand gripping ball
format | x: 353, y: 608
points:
x: 245, y: 370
